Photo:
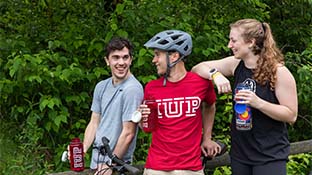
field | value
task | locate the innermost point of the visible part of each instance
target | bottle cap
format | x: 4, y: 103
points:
x: 75, y: 140
x: 136, y: 116
x: 240, y: 108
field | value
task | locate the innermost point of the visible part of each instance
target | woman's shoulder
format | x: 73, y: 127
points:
x: 283, y: 74
x: 281, y: 69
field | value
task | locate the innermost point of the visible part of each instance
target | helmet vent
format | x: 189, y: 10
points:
x: 180, y: 43
x: 175, y: 37
x: 163, y: 42
x: 185, y: 48
x: 156, y: 38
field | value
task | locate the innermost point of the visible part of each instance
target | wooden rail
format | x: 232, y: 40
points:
x: 295, y: 148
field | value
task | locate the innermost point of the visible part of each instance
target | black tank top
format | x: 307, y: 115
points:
x: 268, y: 138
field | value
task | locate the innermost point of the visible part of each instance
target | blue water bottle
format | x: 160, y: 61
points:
x: 242, y: 111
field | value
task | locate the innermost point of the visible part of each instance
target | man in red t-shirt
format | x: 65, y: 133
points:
x: 181, y: 131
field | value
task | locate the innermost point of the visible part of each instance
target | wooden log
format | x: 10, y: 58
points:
x: 85, y: 172
x: 295, y: 148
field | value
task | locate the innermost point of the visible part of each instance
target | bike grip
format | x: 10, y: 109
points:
x: 105, y: 140
x: 64, y: 157
x: 133, y: 170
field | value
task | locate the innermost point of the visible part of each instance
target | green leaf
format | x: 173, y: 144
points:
x: 142, y: 52
x: 48, y: 126
x: 99, y: 72
x: 120, y: 8
x: 34, y: 78
x: 59, y: 119
x: 122, y: 33
x: 99, y: 46
x: 114, y: 27
x: 16, y: 66
x: 43, y: 104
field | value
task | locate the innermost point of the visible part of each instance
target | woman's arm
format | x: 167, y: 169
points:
x: 286, y: 93
x: 225, y: 68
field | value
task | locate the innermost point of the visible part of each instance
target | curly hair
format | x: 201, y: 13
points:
x: 269, y: 55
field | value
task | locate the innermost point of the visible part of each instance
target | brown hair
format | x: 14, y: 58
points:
x: 269, y: 55
x: 118, y: 43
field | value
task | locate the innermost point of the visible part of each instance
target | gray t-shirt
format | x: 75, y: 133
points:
x: 115, y: 104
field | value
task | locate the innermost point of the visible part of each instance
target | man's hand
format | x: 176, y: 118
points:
x: 68, y: 153
x: 210, y: 148
x: 145, y: 112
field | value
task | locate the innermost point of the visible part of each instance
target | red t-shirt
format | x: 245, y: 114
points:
x: 176, y: 141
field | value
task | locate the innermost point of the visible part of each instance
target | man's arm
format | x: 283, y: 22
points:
x: 209, y: 147
x: 208, y: 119
x: 90, y: 131
x: 133, y: 98
x: 127, y: 134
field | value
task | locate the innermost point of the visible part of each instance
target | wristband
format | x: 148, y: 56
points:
x: 215, y: 75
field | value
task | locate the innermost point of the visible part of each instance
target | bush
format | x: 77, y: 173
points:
x: 51, y: 57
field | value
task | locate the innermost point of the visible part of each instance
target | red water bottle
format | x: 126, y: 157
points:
x: 76, y: 155
x: 149, y: 123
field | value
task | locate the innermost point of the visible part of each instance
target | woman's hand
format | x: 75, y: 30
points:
x: 222, y: 83
x: 248, y: 97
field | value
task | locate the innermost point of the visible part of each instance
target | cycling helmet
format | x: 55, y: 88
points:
x: 172, y: 40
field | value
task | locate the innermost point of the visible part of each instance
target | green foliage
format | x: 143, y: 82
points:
x: 299, y: 164
x: 22, y: 154
x: 300, y: 64
x: 223, y: 117
x: 283, y: 16
x: 51, y: 57
x: 143, y: 143
x: 223, y: 170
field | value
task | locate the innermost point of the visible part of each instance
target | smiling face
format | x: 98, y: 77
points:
x: 240, y: 48
x: 119, y: 62
x: 160, y: 62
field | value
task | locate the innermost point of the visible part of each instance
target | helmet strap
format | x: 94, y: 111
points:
x: 169, y: 66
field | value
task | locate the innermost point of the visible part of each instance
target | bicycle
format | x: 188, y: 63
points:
x: 116, y: 164
x: 122, y: 167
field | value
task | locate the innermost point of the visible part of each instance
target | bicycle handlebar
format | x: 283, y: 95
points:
x: 115, y: 159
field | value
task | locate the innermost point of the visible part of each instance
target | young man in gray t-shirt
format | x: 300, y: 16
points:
x: 114, y: 101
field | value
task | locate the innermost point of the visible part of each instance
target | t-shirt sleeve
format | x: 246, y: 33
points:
x: 96, y: 101
x: 133, y: 97
x: 211, y: 94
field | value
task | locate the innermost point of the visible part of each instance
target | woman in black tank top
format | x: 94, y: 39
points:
x: 261, y: 146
